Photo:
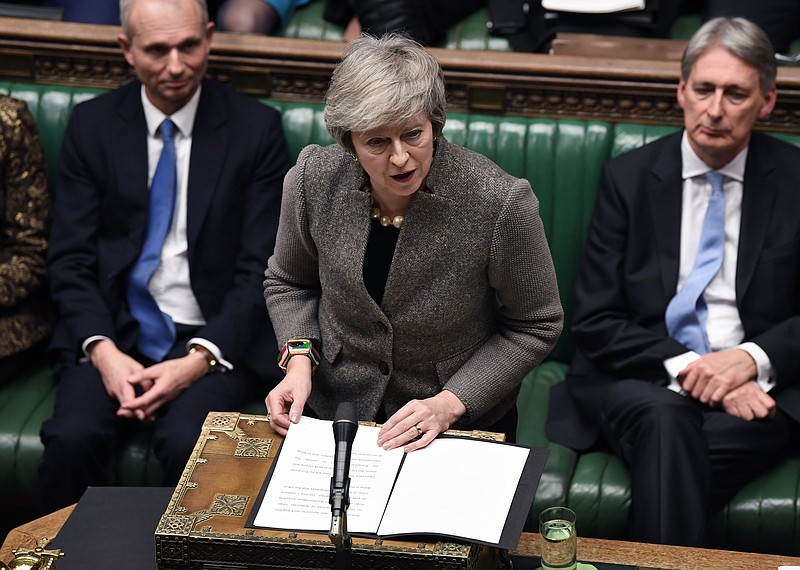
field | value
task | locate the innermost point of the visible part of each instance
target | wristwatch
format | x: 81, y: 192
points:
x: 298, y: 347
x: 213, y: 365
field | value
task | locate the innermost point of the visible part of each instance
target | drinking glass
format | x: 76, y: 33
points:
x: 559, y: 541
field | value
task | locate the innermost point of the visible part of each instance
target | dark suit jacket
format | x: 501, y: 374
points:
x: 629, y: 273
x: 239, y: 157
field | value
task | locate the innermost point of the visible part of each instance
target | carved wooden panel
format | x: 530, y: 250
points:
x: 570, y: 86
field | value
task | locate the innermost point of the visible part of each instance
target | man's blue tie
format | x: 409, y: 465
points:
x: 157, y: 331
x: 687, y: 312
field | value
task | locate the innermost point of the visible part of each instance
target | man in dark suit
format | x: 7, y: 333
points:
x: 208, y: 344
x: 697, y: 398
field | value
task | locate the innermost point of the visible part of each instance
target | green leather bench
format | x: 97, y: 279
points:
x: 562, y: 158
x: 470, y: 33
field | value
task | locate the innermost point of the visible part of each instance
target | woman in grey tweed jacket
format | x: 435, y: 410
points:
x: 418, y: 269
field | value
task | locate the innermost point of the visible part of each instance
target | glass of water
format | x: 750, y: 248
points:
x: 559, y: 541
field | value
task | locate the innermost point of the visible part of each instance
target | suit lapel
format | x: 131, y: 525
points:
x: 130, y: 153
x: 758, y: 202
x: 209, y: 146
x: 665, y: 193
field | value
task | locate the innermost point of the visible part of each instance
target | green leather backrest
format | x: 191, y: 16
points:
x: 562, y: 159
x: 303, y: 124
x: 50, y: 106
x: 307, y: 24
x: 628, y: 136
x: 471, y: 33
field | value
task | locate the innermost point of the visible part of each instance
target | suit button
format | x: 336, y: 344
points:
x: 382, y: 327
x: 383, y: 367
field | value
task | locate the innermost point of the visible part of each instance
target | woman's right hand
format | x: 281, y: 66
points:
x: 286, y: 401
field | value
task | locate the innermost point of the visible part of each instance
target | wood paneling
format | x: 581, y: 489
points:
x: 595, y: 86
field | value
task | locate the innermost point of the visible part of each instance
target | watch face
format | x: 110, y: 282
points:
x: 297, y: 346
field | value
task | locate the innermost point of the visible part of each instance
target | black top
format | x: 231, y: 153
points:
x: 378, y: 258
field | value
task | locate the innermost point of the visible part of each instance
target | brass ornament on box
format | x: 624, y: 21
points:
x: 37, y: 558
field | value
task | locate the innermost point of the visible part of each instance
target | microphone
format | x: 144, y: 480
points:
x: 344, y: 432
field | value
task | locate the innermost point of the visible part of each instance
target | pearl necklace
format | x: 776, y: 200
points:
x: 386, y: 221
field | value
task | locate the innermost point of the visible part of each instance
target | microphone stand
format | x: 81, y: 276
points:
x: 341, y: 539
x: 344, y: 432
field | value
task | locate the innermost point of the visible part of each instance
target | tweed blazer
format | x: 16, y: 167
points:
x: 471, y: 301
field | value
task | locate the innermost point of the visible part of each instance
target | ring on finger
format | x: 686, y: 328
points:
x: 419, y: 430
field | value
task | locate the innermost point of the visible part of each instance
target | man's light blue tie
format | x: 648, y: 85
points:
x: 687, y: 311
x: 157, y: 331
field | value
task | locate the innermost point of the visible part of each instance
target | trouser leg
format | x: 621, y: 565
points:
x: 79, y: 438
x: 659, y: 435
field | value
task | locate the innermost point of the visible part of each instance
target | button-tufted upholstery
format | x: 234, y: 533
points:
x: 562, y: 159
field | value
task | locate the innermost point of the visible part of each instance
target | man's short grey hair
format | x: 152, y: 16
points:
x: 125, y: 11
x: 742, y: 38
x: 383, y: 82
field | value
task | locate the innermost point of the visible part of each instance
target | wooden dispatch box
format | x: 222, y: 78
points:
x: 203, y: 527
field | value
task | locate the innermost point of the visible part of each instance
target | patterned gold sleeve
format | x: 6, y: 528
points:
x: 25, y: 203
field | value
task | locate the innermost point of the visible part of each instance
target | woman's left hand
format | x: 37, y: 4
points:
x: 418, y: 422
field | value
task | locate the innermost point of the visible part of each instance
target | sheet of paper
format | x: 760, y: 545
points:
x: 455, y: 486
x: 298, y: 492
x: 593, y: 6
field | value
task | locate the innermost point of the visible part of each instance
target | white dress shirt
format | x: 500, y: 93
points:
x: 724, y: 325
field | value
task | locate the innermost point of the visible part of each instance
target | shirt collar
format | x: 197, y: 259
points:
x: 183, y: 117
x: 693, y: 166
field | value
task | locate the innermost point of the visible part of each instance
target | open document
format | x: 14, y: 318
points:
x: 466, y: 488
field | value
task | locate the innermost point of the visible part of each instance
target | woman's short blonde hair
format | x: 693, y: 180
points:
x: 380, y: 82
